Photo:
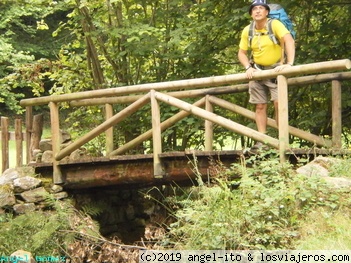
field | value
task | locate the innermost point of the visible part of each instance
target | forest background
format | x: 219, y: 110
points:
x: 54, y: 47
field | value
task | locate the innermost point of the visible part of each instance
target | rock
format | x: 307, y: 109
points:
x: 77, y: 154
x: 24, y: 208
x: 327, y: 162
x: 47, y: 156
x: 56, y: 188
x: 9, y: 175
x: 320, y: 166
x: 35, y: 195
x: 13, y: 173
x: 7, y: 196
x: 37, y: 154
x: 60, y: 195
x: 45, y: 145
x: 338, y: 182
x: 21, y: 256
x: 64, y: 136
x: 25, y: 183
x: 313, y: 169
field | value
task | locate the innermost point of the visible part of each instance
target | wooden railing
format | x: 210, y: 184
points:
x: 151, y: 93
x: 6, y: 136
x: 31, y: 137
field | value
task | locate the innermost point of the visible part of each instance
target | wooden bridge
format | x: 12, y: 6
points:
x: 117, y: 168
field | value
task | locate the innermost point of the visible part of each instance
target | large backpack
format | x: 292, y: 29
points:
x: 276, y: 12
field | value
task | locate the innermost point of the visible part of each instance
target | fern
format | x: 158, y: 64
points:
x: 93, y: 209
x: 46, y: 232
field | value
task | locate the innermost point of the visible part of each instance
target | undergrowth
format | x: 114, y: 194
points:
x: 270, y: 206
x: 45, y: 232
x: 266, y: 209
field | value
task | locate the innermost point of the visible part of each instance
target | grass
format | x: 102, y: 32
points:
x: 12, y: 154
x: 323, y: 230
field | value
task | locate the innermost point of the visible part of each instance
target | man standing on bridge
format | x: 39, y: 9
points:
x: 265, y: 54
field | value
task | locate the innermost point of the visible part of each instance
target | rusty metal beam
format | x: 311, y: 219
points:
x: 138, y: 170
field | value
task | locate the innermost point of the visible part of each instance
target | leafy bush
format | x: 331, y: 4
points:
x: 45, y: 232
x: 263, y: 212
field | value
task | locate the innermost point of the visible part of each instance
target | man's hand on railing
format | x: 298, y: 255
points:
x: 281, y: 67
x: 249, y: 72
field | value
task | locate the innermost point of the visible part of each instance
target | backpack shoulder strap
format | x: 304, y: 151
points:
x: 271, y: 33
x: 275, y: 40
x: 251, y: 32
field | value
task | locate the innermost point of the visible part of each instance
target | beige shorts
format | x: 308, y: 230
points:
x: 260, y: 90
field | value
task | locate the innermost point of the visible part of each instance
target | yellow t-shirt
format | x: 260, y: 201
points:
x: 264, y: 51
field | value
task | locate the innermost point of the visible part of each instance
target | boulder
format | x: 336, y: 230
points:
x: 7, y: 196
x: 9, y: 175
x: 60, y: 195
x: 24, y: 208
x: 37, y: 154
x: 25, y: 183
x: 47, y: 156
x: 313, y: 169
x: 35, y: 195
x: 321, y: 166
x: 64, y: 136
x: 56, y: 188
x: 45, y: 145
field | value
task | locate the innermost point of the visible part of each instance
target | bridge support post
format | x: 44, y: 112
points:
x: 283, y: 116
x: 336, y: 114
x: 29, y: 127
x: 55, y: 133
x: 156, y: 135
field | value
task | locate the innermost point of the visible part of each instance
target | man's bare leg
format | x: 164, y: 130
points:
x: 261, y: 117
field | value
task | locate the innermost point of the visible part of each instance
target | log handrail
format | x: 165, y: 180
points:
x: 193, y: 83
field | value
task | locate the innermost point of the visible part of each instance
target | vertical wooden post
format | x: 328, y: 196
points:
x: 19, y: 142
x: 156, y: 135
x: 29, y: 126
x: 208, y: 127
x: 37, y: 131
x: 5, y: 143
x: 283, y: 116
x: 55, y: 137
x: 109, y: 132
x: 336, y: 114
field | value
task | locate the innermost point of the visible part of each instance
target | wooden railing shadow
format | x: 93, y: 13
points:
x: 152, y: 93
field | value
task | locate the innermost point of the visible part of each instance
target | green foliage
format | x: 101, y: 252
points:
x: 341, y: 168
x: 25, y: 42
x: 59, y: 47
x: 323, y: 230
x: 263, y: 212
x: 47, y: 232
x: 37, y: 231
